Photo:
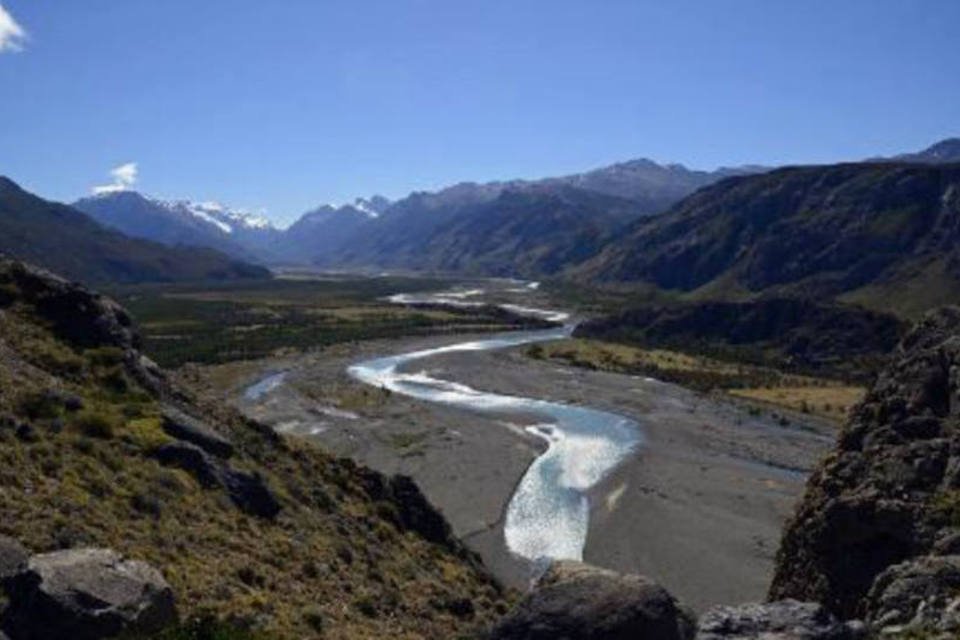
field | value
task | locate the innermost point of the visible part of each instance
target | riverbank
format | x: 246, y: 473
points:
x: 706, y: 495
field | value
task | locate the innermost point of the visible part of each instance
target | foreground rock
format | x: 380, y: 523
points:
x: 579, y: 602
x: 86, y: 594
x: 13, y: 559
x: 783, y: 620
x: 920, y: 596
x: 891, y: 491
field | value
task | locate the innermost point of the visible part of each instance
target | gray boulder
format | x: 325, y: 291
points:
x: 87, y: 594
x: 922, y: 595
x: 184, y: 427
x: 783, y: 620
x: 575, y: 601
x: 13, y: 559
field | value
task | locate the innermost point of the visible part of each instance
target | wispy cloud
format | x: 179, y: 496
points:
x: 12, y: 35
x: 124, y: 177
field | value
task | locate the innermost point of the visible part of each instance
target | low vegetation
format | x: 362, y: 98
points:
x: 239, y: 321
x: 79, y: 437
x: 826, y: 398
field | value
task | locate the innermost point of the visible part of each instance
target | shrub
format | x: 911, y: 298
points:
x: 41, y: 405
x: 314, y: 617
x: 96, y: 424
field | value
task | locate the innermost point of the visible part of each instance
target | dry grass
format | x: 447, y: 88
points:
x: 831, y: 402
x: 825, y: 398
x: 333, y: 558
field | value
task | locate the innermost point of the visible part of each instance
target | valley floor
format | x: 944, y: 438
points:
x: 705, y: 496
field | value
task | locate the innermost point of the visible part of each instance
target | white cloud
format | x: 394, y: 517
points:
x: 12, y: 35
x: 124, y: 177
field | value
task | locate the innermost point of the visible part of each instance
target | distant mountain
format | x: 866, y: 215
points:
x: 654, y: 186
x: 321, y: 231
x: 529, y: 231
x: 183, y: 222
x: 71, y: 243
x: 885, y: 234
x: 405, y: 233
x: 947, y: 150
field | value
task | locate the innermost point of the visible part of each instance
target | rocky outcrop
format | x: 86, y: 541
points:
x: 86, y: 594
x: 783, y: 620
x: 890, y: 492
x: 574, y: 600
x: 81, y: 317
x: 78, y: 315
x: 13, y: 559
x: 184, y: 427
x: 918, y: 596
x: 248, y: 491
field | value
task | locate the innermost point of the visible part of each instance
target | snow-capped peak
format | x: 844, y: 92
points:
x: 225, y: 219
x: 363, y: 206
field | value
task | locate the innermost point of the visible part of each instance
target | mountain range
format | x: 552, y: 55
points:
x: 69, y: 242
x: 375, y: 232
x: 515, y: 227
x: 731, y: 231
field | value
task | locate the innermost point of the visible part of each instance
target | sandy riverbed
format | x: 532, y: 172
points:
x: 704, y: 497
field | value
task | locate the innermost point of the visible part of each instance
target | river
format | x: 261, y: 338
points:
x: 548, y: 515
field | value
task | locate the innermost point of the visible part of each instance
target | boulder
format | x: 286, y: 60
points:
x: 783, y: 620
x: 181, y: 426
x: 87, y: 594
x: 576, y: 601
x: 13, y: 559
x: 250, y: 493
x: 922, y: 595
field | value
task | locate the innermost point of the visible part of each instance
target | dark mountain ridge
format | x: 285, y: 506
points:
x: 815, y: 231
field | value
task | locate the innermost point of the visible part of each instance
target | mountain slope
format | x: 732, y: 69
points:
x: 523, y: 232
x: 870, y: 231
x: 323, y: 230
x: 182, y: 222
x: 66, y: 240
x: 655, y: 187
x: 99, y: 447
x: 401, y: 234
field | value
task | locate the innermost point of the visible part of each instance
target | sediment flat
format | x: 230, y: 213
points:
x: 706, y: 494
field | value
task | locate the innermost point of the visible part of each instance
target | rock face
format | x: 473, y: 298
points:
x: 917, y: 596
x: 783, y: 620
x: 578, y: 602
x: 891, y: 490
x: 81, y: 317
x: 13, y: 559
x: 86, y: 594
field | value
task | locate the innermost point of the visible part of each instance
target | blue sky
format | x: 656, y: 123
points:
x: 283, y: 105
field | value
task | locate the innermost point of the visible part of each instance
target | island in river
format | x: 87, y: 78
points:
x: 675, y: 485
